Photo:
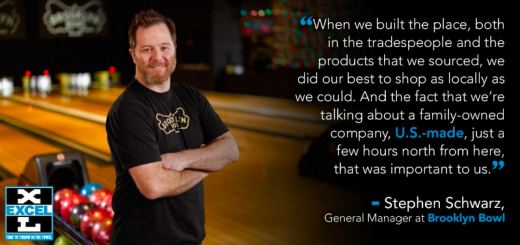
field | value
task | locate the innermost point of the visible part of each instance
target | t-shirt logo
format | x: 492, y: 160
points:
x: 173, y: 122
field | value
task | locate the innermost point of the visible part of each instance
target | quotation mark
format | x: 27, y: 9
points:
x: 306, y: 22
x: 496, y: 163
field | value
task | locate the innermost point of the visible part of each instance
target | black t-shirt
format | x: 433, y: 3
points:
x: 142, y: 125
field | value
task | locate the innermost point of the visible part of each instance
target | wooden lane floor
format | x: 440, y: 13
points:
x: 65, y: 101
x: 87, y: 134
x: 274, y: 125
x: 260, y: 199
x: 18, y: 148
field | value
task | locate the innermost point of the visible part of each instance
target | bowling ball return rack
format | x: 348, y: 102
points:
x: 61, y: 170
x: 70, y: 232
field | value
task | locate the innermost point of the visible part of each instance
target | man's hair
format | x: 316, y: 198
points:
x: 147, y: 19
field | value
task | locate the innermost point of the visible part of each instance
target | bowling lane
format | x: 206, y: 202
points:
x: 274, y: 125
x: 88, y: 134
x: 244, y: 103
x: 262, y: 123
x: 265, y: 106
x: 14, y: 154
x: 52, y: 100
x: 66, y: 101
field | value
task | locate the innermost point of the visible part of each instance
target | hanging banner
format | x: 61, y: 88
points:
x: 12, y: 19
x: 73, y: 18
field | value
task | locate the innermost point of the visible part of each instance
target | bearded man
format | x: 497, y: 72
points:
x: 164, y: 138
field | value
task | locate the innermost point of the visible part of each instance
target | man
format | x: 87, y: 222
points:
x: 164, y: 138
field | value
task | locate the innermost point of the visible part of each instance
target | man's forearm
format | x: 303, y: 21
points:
x: 212, y: 157
x: 155, y: 182
x: 173, y: 183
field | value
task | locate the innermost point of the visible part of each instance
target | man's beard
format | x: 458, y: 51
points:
x: 155, y: 79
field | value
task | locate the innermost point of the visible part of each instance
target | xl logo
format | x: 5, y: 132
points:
x: 29, y: 213
x: 29, y: 196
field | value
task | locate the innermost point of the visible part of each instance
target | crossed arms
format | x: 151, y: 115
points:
x: 178, y: 172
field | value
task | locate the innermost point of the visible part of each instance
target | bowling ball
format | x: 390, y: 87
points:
x: 78, y: 211
x: 107, y: 204
x: 62, y: 240
x: 97, y: 196
x: 101, y: 231
x: 60, y: 195
x: 90, y: 218
x: 67, y: 204
x: 87, y: 189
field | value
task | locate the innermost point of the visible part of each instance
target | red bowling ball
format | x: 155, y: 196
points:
x: 90, y: 218
x: 107, y: 204
x: 67, y: 204
x: 101, y: 231
x: 60, y: 195
x: 97, y: 196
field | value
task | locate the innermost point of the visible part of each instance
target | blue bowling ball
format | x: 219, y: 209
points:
x: 87, y: 189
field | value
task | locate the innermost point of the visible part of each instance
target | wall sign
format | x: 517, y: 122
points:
x: 71, y: 18
x: 12, y: 19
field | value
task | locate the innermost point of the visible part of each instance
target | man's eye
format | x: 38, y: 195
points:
x: 146, y: 50
x: 166, y: 48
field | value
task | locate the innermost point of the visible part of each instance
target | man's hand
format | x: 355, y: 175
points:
x: 211, y: 157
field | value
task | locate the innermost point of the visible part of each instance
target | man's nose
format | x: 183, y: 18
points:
x: 156, y: 55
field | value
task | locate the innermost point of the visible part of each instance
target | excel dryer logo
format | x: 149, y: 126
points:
x: 9, y: 18
x: 29, y: 213
x: 74, y: 20
x: 173, y: 122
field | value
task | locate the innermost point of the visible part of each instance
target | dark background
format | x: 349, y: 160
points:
x: 494, y: 186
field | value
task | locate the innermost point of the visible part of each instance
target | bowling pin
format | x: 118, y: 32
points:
x: 74, y: 82
x: 6, y: 87
x: 79, y: 83
x: 85, y: 83
x: 32, y: 85
x: 89, y: 81
x: 82, y: 83
x: 47, y: 84
x: 40, y: 82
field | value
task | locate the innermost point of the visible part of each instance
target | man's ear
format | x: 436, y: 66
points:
x: 132, y: 54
